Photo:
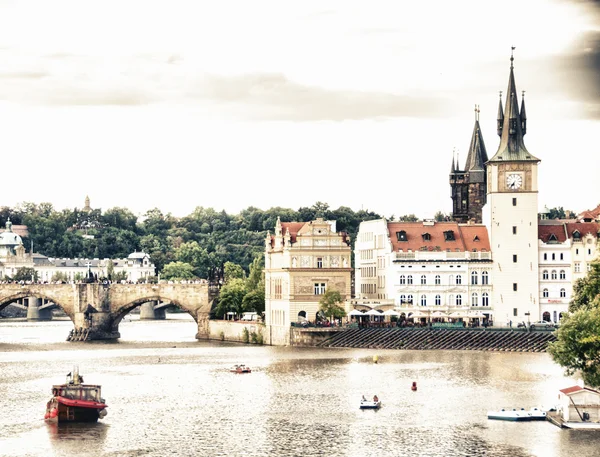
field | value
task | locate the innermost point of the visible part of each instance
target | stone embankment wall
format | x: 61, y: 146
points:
x: 234, y: 330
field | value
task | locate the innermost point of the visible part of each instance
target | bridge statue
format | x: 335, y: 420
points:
x: 96, y: 309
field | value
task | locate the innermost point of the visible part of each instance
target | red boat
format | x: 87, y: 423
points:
x: 240, y: 369
x: 75, y: 401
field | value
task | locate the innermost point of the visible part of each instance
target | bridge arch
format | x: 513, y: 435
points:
x: 123, y: 310
x: 28, y: 293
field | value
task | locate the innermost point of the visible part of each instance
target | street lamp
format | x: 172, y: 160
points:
x: 527, y: 314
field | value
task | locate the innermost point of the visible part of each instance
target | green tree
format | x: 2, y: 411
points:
x: 233, y: 271
x: 25, y: 274
x: 178, y: 271
x: 587, y: 289
x: 60, y: 276
x: 255, y: 300
x: 577, y: 347
x: 330, y: 304
x: 231, y: 297
x: 441, y: 217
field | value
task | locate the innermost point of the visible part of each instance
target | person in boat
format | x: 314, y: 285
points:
x: 375, y: 398
x: 363, y: 398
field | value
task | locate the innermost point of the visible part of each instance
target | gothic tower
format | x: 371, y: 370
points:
x: 469, y: 186
x: 511, y: 214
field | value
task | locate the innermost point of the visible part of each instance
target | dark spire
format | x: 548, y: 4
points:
x: 500, y: 116
x: 511, y: 145
x: 453, y: 169
x: 523, y: 115
x: 477, y: 155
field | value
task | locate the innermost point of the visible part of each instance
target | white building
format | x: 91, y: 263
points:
x: 424, y: 267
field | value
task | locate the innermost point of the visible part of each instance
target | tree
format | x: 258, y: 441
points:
x: 25, y: 274
x: 441, y: 217
x: 577, y: 347
x: 560, y: 213
x: 178, y: 270
x: 255, y: 300
x: 231, y: 297
x: 330, y: 304
x: 587, y: 289
x: 233, y: 271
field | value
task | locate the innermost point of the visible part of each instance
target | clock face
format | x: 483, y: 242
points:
x: 514, y: 181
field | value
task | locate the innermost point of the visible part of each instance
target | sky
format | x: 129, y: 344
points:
x: 175, y: 104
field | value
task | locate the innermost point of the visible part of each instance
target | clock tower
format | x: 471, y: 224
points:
x: 511, y: 214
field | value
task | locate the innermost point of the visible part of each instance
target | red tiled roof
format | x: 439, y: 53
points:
x: 573, y: 389
x: 464, y: 236
x: 294, y: 229
x: 583, y: 227
x: 591, y: 214
x: 545, y: 231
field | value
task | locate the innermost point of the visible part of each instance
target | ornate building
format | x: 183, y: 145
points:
x: 469, y: 186
x: 302, y: 261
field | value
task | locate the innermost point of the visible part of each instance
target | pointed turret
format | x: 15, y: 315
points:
x: 500, y: 119
x: 511, y: 145
x: 453, y: 167
x: 8, y: 225
x: 477, y: 155
x: 523, y: 115
x: 278, y: 235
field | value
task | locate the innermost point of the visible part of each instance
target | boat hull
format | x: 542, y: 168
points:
x: 61, y: 410
x: 517, y: 415
x: 370, y: 404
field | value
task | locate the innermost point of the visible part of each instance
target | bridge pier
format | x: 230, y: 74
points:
x: 34, y: 313
x: 148, y: 311
x: 203, y: 328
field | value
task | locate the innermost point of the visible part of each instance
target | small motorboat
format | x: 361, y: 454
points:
x: 240, y: 369
x: 517, y: 414
x: 75, y: 401
x: 366, y: 404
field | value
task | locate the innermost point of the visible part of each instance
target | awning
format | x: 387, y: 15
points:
x: 391, y: 312
x: 356, y: 312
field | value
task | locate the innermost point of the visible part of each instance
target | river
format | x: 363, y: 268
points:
x: 169, y: 394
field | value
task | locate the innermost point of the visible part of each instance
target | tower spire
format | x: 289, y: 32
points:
x: 500, y: 118
x: 523, y: 114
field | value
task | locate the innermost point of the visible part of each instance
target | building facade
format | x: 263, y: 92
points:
x: 302, y: 261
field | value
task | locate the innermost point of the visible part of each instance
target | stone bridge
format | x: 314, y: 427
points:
x: 99, y: 308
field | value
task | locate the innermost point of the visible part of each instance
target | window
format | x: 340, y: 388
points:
x: 576, y: 251
x: 402, y: 279
x: 514, y: 202
x: 437, y: 280
x: 514, y: 229
x: 485, y: 278
x: 563, y: 274
x: 458, y: 279
x: 553, y: 274
x: 577, y: 267
x: 401, y: 235
x: 409, y: 298
x: 485, y: 299
x: 514, y: 311
x: 562, y: 256
x: 423, y: 300
x: 451, y: 300
x: 576, y: 235
x: 459, y: 300
x: 438, y: 300
x: 515, y: 286
x: 449, y: 235
x: 545, y: 293
x: 426, y: 237
x: 545, y: 256
x: 451, y: 279
x: 514, y: 258
x: 589, y: 252
x: 474, y: 278
x: 553, y: 256
x: 545, y: 274
x: 563, y: 293
x: 319, y: 262
x: 409, y: 279
x: 319, y: 288
x: 423, y: 279
x: 402, y: 299
x: 474, y: 299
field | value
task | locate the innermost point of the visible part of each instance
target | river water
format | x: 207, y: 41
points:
x: 169, y: 394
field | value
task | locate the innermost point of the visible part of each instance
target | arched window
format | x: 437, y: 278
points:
x: 474, y: 278
x: 545, y: 293
x: 485, y: 299
x: 451, y: 300
x: 563, y: 274
x: 554, y: 275
x: 409, y: 298
x: 437, y: 280
x: 459, y: 300
x: 409, y: 279
x: 485, y: 278
x: 545, y: 274
x: 402, y: 279
x: 563, y: 293
x: 458, y: 279
x: 402, y: 299
x: 423, y: 300
x: 451, y: 279
x: 474, y: 299
x: 546, y: 316
x: 438, y: 300
x: 423, y: 279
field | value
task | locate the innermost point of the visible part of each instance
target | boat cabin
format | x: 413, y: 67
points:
x: 73, y: 389
x: 579, y: 404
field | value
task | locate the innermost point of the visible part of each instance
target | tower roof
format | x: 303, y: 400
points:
x: 477, y: 155
x: 512, y: 147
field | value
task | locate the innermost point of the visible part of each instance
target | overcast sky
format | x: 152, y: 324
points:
x: 177, y: 104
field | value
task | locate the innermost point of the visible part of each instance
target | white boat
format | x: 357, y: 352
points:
x: 365, y: 404
x: 581, y: 425
x: 517, y: 414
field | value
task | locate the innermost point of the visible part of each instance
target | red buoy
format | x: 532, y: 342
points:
x: 54, y: 412
x: 414, y: 386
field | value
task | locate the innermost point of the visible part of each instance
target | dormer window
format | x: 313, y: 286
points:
x: 476, y: 238
x: 552, y: 238
x: 426, y: 236
x: 576, y: 235
x: 449, y: 235
x: 401, y: 236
